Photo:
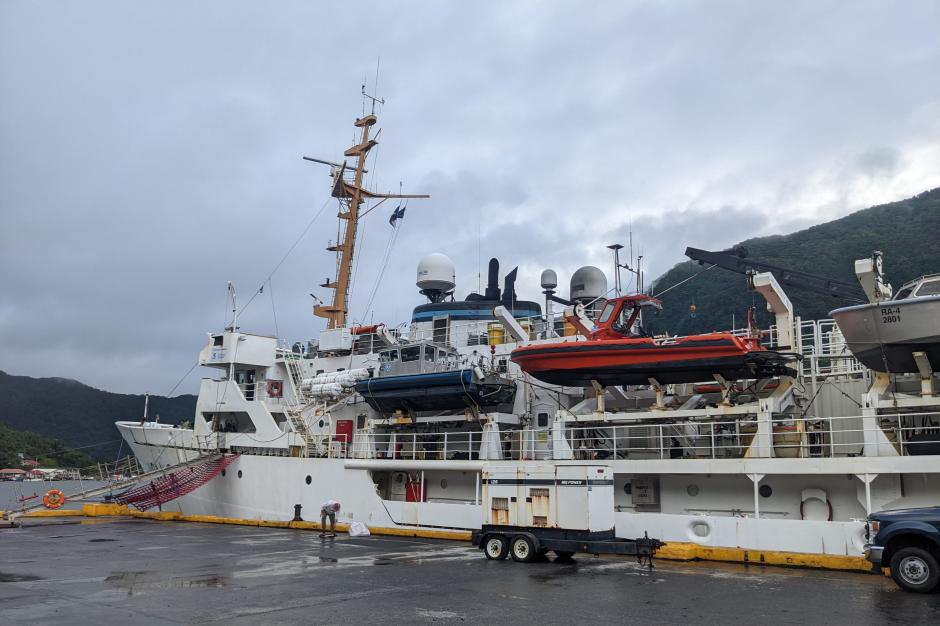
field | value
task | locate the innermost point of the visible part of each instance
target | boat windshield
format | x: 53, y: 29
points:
x: 929, y: 288
x: 411, y: 353
x: 606, y: 313
x: 904, y: 293
x: 388, y: 356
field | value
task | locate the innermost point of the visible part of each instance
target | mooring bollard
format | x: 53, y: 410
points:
x: 297, y: 517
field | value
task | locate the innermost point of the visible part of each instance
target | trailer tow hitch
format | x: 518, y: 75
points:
x: 646, y: 549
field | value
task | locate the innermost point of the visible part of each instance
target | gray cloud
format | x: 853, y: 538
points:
x: 151, y: 152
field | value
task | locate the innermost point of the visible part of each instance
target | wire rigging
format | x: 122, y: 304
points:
x: 681, y: 282
x: 286, y: 254
x: 386, y: 257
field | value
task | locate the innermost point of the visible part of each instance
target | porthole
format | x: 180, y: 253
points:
x: 692, y: 490
x: 309, y: 479
x: 239, y: 473
x: 628, y: 488
x: 443, y: 483
x: 765, y: 491
x: 322, y: 423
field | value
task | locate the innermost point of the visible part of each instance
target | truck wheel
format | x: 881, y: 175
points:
x: 563, y: 555
x: 915, y: 569
x: 523, y: 550
x: 496, y: 548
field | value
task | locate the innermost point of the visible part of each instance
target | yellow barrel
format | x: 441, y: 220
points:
x: 569, y: 329
x: 495, y: 333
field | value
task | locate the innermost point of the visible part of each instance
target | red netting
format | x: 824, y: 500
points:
x: 175, y: 484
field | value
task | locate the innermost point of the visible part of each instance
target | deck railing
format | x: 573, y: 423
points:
x: 903, y: 434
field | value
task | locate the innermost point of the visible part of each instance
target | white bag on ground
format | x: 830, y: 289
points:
x: 358, y: 529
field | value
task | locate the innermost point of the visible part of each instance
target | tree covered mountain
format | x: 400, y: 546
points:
x: 17, y: 446
x: 907, y: 232
x: 80, y: 415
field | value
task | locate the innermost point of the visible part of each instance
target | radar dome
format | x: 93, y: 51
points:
x: 588, y: 283
x: 436, y: 276
x: 549, y: 279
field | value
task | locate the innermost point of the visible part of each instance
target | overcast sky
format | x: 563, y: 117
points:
x: 151, y: 151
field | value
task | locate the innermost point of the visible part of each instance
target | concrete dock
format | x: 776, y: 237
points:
x: 121, y: 571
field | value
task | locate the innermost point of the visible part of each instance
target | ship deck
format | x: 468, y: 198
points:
x: 136, y: 570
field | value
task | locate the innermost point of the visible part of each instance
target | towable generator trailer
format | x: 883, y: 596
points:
x: 533, y: 509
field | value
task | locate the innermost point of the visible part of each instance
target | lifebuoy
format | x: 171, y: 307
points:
x: 275, y: 388
x: 815, y: 494
x: 53, y: 499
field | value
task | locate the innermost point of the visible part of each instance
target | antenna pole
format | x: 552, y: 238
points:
x: 616, y: 248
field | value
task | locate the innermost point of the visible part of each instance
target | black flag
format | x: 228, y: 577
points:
x: 397, y: 214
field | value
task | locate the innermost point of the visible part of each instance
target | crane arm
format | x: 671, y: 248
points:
x: 737, y: 261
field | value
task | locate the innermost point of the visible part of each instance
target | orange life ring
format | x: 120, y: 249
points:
x: 275, y: 388
x: 53, y: 499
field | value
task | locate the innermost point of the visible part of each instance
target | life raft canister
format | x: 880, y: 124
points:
x: 53, y: 499
x: 275, y: 388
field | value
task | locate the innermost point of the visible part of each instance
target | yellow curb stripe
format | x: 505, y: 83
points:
x: 692, y: 552
x: 671, y: 551
x: 54, y: 513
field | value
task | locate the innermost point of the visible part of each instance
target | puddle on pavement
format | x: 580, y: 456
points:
x: 16, y: 578
x: 291, y: 564
x: 141, y: 582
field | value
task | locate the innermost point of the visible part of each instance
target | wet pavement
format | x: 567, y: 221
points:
x: 144, y: 571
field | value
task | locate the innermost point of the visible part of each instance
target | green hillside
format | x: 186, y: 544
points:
x: 80, y: 415
x: 48, y: 452
x: 908, y: 232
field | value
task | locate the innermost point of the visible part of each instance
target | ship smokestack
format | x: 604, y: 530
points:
x: 492, y: 285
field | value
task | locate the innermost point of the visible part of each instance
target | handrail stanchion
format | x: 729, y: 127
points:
x: 900, y: 435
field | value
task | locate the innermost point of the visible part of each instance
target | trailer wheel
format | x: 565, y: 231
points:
x: 496, y: 548
x: 563, y: 555
x: 523, y: 550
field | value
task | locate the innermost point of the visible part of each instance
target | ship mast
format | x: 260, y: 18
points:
x: 351, y: 195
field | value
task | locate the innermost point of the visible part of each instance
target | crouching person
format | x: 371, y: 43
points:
x: 328, y: 510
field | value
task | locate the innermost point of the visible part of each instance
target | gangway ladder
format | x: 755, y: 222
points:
x: 98, y: 491
x: 298, y: 400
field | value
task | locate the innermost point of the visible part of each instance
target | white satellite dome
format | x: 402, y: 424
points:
x: 588, y: 283
x: 549, y: 279
x: 436, y: 273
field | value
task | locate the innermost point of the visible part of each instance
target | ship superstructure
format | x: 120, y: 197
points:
x: 401, y: 425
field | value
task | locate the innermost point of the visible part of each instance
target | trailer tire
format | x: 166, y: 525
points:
x: 523, y: 549
x: 563, y: 555
x: 495, y: 547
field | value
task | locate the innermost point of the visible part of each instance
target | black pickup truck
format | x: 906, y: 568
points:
x: 908, y: 542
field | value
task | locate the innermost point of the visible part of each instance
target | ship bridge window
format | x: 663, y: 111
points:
x: 904, y: 293
x: 931, y: 288
x: 608, y: 311
x: 411, y: 353
x: 388, y: 356
x: 217, y: 340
